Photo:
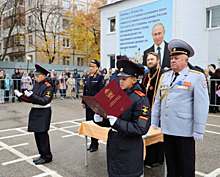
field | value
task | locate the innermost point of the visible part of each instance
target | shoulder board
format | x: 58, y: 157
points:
x: 167, y: 71
x: 48, y: 84
x: 194, y: 71
x: 139, y: 93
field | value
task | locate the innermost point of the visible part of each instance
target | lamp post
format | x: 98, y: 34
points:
x: 28, y: 58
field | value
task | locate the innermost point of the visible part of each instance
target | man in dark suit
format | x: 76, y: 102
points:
x: 160, y: 46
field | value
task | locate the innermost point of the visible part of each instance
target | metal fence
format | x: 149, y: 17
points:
x: 7, y: 87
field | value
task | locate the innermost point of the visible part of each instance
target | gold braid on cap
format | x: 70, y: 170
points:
x: 178, y: 52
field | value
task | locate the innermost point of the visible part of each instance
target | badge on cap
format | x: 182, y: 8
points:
x: 174, y: 49
x: 121, y: 69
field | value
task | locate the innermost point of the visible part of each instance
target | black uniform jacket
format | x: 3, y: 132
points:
x: 125, y: 145
x: 93, y: 84
x: 39, y: 118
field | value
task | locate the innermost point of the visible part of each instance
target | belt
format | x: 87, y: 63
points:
x: 114, y: 130
x: 40, y: 106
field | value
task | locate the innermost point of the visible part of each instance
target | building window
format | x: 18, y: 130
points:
x: 213, y: 18
x: 30, y: 40
x: 30, y: 2
x: 79, y: 61
x: 112, y: 61
x: 29, y: 20
x: 112, y: 25
x: 66, y: 60
x: 65, y: 23
x: 66, y: 42
x: 66, y: 5
x: 80, y: 7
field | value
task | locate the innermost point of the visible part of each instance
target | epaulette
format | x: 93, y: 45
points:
x: 139, y: 93
x: 48, y: 84
x: 194, y: 71
x: 167, y: 71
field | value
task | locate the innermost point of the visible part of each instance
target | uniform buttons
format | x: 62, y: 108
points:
x: 168, y: 98
x: 166, y: 106
x: 170, y: 91
x: 165, y: 114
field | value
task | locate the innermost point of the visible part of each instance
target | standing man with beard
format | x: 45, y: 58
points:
x: 154, y: 152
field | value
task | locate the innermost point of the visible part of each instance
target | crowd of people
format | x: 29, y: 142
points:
x: 66, y: 85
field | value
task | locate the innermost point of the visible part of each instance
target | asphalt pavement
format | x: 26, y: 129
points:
x: 18, y: 148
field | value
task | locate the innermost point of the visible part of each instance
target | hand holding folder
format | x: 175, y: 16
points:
x: 111, y: 100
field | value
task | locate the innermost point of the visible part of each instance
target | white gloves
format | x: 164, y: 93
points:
x: 98, y: 118
x: 28, y: 93
x: 17, y: 93
x: 197, y: 136
x: 112, y: 119
x: 154, y: 126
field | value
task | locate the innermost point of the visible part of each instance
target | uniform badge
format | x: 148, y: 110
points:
x: 204, y: 84
x: 48, y: 94
x: 151, y: 87
x: 144, y: 109
x: 121, y: 69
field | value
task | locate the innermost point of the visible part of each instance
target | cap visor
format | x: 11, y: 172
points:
x: 123, y: 74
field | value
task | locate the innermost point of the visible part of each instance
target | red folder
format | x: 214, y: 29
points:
x: 111, y: 100
x: 25, y: 98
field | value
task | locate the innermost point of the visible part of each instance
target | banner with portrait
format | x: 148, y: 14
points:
x: 136, y: 24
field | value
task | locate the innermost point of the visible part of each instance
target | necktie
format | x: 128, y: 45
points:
x: 176, y: 74
x: 158, y: 49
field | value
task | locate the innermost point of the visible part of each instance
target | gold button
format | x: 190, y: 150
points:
x: 166, y: 106
x: 168, y: 98
x: 165, y: 114
x: 170, y: 91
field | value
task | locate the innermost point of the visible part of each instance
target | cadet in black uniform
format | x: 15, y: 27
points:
x: 40, y: 114
x: 125, y: 144
x: 94, y: 82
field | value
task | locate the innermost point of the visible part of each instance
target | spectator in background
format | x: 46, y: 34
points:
x: 71, y: 83
x: 16, y: 77
x: 3, y: 71
x: 31, y: 74
x: 104, y: 73
x: 8, y: 85
x: 84, y: 77
x: 2, y: 87
x: 62, y: 82
x: 25, y: 81
x: 100, y: 70
x: 67, y: 72
x: 21, y: 72
x: 55, y: 82
x: 108, y: 75
x: 215, y: 85
x: 76, y: 76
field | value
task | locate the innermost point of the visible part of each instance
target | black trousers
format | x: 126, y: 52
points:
x: 180, y: 156
x: 43, y: 145
x: 90, y: 116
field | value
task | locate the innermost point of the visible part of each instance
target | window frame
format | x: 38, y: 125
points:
x: 209, y: 18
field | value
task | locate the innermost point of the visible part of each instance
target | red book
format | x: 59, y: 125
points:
x: 111, y: 100
x: 25, y: 98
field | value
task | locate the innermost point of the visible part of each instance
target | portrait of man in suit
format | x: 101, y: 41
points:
x: 160, y: 46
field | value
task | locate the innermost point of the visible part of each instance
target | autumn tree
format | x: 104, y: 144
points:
x: 13, y: 21
x: 84, y: 30
x: 47, y: 26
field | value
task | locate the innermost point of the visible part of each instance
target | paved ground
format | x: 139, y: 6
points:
x: 17, y: 146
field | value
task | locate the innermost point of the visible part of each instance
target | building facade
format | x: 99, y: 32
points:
x: 126, y: 26
x: 39, y: 23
